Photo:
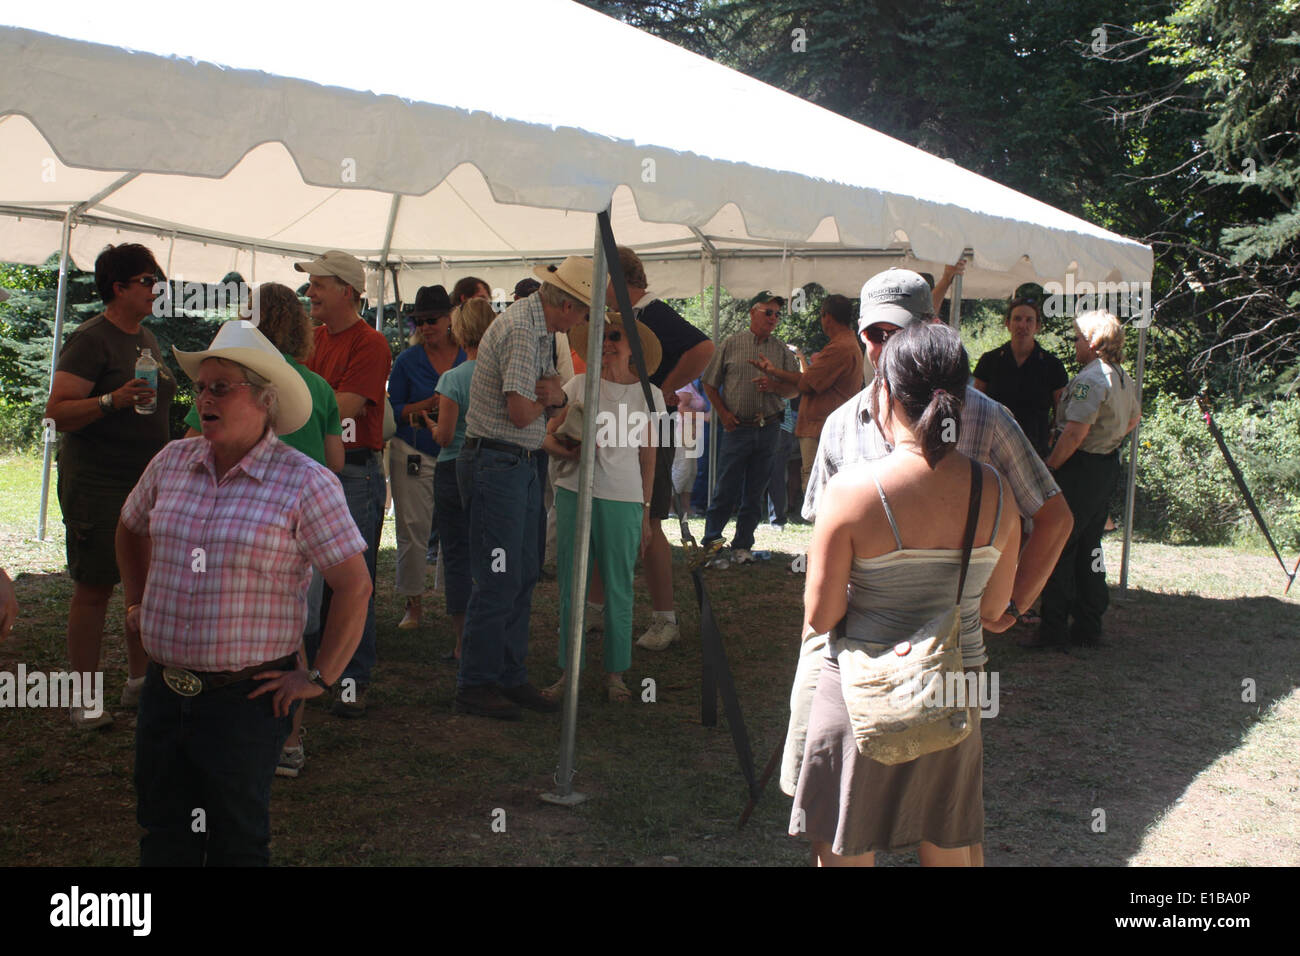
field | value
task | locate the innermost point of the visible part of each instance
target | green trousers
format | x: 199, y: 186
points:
x: 615, y: 539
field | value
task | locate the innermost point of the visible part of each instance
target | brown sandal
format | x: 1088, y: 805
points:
x: 618, y: 691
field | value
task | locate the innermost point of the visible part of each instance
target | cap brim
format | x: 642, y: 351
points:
x: 886, y: 312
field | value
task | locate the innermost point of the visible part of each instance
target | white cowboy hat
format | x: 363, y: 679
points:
x: 240, y: 341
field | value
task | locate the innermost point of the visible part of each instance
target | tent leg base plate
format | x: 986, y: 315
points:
x: 565, y: 799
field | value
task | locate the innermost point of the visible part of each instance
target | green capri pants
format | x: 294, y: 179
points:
x: 615, y: 539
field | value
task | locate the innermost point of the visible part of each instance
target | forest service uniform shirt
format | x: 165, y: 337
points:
x: 231, y: 560
x: 1106, y: 398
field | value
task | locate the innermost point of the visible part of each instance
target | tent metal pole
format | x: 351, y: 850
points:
x: 383, y: 259
x: 564, y: 793
x: 954, y: 307
x: 713, y: 430
x: 47, y: 427
x: 1130, y: 493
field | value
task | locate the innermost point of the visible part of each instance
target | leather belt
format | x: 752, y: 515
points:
x: 358, y: 456
x: 190, y: 683
x: 509, y: 448
x: 760, y: 422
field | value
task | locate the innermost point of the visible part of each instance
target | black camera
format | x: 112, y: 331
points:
x: 413, y: 464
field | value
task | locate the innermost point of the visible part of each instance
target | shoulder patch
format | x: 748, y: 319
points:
x: 1081, y: 391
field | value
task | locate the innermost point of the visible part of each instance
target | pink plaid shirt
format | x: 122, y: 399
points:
x: 231, y: 559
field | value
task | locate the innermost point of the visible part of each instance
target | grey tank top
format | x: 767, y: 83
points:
x: 893, y: 594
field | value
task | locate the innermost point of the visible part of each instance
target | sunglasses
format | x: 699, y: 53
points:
x: 769, y: 312
x: 614, y: 335
x: 143, y: 280
x: 878, y: 336
x: 426, y: 321
x: 219, y: 389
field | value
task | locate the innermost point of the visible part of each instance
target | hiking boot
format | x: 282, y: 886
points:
x: 486, y: 700
x: 526, y: 695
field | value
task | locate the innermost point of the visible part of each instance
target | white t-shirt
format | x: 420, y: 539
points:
x: 622, y: 429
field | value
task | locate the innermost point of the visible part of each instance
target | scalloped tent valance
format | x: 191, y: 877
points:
x: 484, y: 151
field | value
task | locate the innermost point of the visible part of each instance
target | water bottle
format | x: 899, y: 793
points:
x: 147, y: 369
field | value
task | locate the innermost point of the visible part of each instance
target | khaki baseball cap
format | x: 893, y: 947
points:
x: 344, y: 265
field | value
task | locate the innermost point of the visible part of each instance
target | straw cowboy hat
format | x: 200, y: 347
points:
x: 654, y: 352
x: 239, y: 341
x: 573, y: 275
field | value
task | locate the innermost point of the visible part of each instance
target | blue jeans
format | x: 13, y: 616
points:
x: 504, y: 500
x: 452, y: 525
x: 776, y: 489
x: 744, y: 467
x: 216, y: 752
x: 363, y: 488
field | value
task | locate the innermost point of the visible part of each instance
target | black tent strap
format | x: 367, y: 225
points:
x: 718, y: 682
x: 1241, y: 485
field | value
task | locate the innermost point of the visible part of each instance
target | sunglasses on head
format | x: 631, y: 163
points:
x: 878, y: 336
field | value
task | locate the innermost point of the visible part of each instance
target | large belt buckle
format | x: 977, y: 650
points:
x: 182, y: 681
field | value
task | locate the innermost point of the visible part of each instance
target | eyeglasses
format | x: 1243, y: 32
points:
x: 218, y: 389
x: 150, y: 280
x: 614, y: 335
x: 878, y: 336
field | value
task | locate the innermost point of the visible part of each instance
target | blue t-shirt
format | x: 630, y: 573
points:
x: 455, y: 385
x: 414, y: 379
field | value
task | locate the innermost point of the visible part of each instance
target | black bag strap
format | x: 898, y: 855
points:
x: 972, y: 519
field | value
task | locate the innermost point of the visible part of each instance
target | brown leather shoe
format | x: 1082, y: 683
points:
x: 486, y: 700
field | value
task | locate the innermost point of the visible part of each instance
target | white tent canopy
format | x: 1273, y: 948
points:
x: 487, y: 135
x: 492, y: 131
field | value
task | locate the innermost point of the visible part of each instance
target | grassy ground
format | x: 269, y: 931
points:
x: 1149, y: 736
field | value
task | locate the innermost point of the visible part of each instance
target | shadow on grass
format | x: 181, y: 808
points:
x: 1123, y: 728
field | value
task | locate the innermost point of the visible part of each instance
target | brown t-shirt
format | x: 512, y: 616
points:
x: 833, y: 377
x: 118, y: 446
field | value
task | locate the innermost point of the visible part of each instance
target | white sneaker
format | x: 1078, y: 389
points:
x: 659, y: 636
x: 131, y: 692
x: 742, y: 556
x: 82, y: 722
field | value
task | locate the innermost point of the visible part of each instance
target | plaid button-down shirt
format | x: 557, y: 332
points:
x: 515, y: 352
x: 989, y: 434
x: 230, y: 560
x: 731, y: 374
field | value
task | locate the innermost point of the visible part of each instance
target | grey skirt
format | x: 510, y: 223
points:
x: 858, y: 805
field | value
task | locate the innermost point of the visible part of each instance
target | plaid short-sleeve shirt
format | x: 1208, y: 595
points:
x: 515, y: 352
x: 988, y: 433
x: 230, y: 560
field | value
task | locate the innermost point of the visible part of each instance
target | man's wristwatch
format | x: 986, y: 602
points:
x: 106, y: 403
x: 313, y: 675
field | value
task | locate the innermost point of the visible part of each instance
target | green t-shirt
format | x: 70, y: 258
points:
x: 324, y: 420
